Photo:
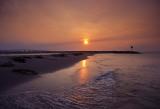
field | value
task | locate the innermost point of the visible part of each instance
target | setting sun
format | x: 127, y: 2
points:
x: 85, y: 41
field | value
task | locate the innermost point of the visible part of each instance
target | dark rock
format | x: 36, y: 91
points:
x: 39, y: 57
x: 77, y: 54
x: 25, y: 71
x: 59, y: 55
x: 7, y: 64
x: 19, y: 59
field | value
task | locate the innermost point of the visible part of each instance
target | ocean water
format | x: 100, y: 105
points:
x: 103, y: 81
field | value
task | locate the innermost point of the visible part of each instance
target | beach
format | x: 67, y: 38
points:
x: 81, y: 81
x: 16, y: 69
x: 79, y: 54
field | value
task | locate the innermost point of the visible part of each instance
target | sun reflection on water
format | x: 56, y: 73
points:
x: 83, y: 77
x: 84, y: 65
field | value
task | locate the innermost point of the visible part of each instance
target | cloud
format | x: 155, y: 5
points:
x: 66, y: 22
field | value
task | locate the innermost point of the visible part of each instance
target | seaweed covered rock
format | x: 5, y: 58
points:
x: 19, y: 59
x: 25, y: 71
x: 7, y: 64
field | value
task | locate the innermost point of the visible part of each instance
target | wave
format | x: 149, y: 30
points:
x: 97, y: 94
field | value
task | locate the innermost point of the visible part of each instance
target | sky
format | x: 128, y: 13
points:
x: 63, y: 24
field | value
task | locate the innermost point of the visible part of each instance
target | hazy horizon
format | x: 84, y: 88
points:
x: 63, y: 24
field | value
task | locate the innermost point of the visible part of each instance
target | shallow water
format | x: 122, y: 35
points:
x: 103, y: 81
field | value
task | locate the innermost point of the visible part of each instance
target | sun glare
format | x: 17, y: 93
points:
x: 85, y: 41
x: 84, y: 64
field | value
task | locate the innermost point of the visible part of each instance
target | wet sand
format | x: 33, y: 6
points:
x: 18, y: 69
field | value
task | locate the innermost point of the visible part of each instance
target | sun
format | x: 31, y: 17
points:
x: 85, y: 41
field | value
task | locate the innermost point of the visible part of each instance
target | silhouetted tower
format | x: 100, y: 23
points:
x: 132, y: 48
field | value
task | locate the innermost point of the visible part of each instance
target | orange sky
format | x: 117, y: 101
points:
x: 62, y: 24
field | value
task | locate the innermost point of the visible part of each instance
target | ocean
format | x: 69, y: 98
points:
x: 103, y: 81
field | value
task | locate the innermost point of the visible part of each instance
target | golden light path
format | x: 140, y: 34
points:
x: 83, y: 72
x: 84, y: 65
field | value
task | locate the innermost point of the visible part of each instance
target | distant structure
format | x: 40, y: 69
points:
x: 132, y: 48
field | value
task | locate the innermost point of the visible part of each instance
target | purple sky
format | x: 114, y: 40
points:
x: 63, y: 24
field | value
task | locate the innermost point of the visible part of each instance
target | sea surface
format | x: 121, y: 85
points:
x: 103, y: 81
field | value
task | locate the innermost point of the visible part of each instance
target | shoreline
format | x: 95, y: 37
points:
x: 19, y: 69
x: 30, y: 52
